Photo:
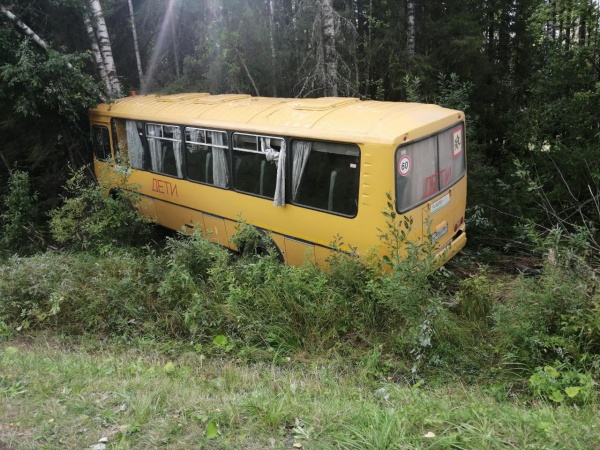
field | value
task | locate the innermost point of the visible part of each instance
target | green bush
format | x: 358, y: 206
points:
x: 19, y: 230
x: 91, y: 220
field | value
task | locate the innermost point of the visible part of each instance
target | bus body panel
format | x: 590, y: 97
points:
x: 299, y: 232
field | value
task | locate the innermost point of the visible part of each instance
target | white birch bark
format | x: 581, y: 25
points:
x: 96, y: 51
x: 27, y: 31
x: 136, y: 44
x: 105, y: 48
x: 24, y: 28
x: 329, y: 52
x: 410, y: 33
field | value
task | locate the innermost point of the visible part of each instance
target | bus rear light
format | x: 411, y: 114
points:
x: 458, y: 224
x: 405, y: 137
x: 459, y: 116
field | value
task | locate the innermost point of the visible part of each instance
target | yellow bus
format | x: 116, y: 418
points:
x: 302, y: 171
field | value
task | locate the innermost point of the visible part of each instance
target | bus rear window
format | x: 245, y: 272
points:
x: 429, y: 166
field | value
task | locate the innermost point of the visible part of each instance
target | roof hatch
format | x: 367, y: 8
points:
x: 223, y: 98
x: 323, y: 104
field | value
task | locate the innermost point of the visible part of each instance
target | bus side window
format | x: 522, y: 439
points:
x: 166, y: 155
x: 127, y: 135
x: 101, y: 143
x: 255, y: 160
x: 206, y: 156
x: 325, y: 176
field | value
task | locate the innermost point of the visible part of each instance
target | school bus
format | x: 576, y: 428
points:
x: 302, y: 171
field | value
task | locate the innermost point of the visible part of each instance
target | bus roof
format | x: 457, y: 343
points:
x: 332, y: 118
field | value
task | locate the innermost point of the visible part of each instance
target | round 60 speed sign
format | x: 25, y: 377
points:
x: 404, y: 165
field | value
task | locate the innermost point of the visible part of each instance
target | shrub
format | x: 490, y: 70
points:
x: 89, y: 219
x: 19, y: 231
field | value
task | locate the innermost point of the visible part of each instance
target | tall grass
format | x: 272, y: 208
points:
x: 407, y: 323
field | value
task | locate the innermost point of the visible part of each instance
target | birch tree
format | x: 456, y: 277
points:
x: 103, y: 40
x: 96, y: 52
x: 24, y: 28
x: 410, y: 32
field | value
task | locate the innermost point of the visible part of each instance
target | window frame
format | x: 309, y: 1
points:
x: 462, y: 154
x: 233, y: 148
x: 289, y: 184
x: 106, y: 140
x: 181, y: 140
x: 227, y: 147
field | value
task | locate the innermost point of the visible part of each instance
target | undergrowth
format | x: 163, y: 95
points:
x: 407, y: 323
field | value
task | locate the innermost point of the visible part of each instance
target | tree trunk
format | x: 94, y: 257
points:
x: 171, y: 15
x: 27, y: 31
x: 138, y: 59
x: 329, y: 52
x: 105, y: 48
x: 272, y: 45
x: 96, y: 51
x: 24, y: 28
x: 410, y: 32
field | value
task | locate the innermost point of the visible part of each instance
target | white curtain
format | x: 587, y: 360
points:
x: 219, y: 161
x: 195, y: 135
x: 300, y: 154
x: 177, y: 151
x: 279, y: 159
x: 280, y: 186
x: 157, y: 153
x: 134, y: 145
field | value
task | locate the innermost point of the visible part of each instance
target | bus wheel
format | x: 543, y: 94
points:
x: 252, y: 241
x: 114, y: 193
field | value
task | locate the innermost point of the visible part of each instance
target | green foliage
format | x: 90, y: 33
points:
x: 475, y: 299
x: 251, y: 242
x: 412, y: 88
x: 89, y: 219
x: 553, y: 317
x: 19, y: 229
x: 50, y: 83
x: 562, y: 384
x: 453, y: 93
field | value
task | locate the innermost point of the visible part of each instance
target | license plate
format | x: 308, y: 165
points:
x: 439, y: 204
x: 438, y: 234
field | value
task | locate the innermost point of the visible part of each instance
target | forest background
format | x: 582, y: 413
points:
x: 526, y: 72
x: 527, y: 75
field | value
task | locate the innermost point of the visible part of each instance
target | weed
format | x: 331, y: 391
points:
x: 562, y: 384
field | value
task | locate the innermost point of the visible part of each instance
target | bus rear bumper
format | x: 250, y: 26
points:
x: 447, y: 252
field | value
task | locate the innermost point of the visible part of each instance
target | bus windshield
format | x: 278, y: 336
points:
x: 429, y: 166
